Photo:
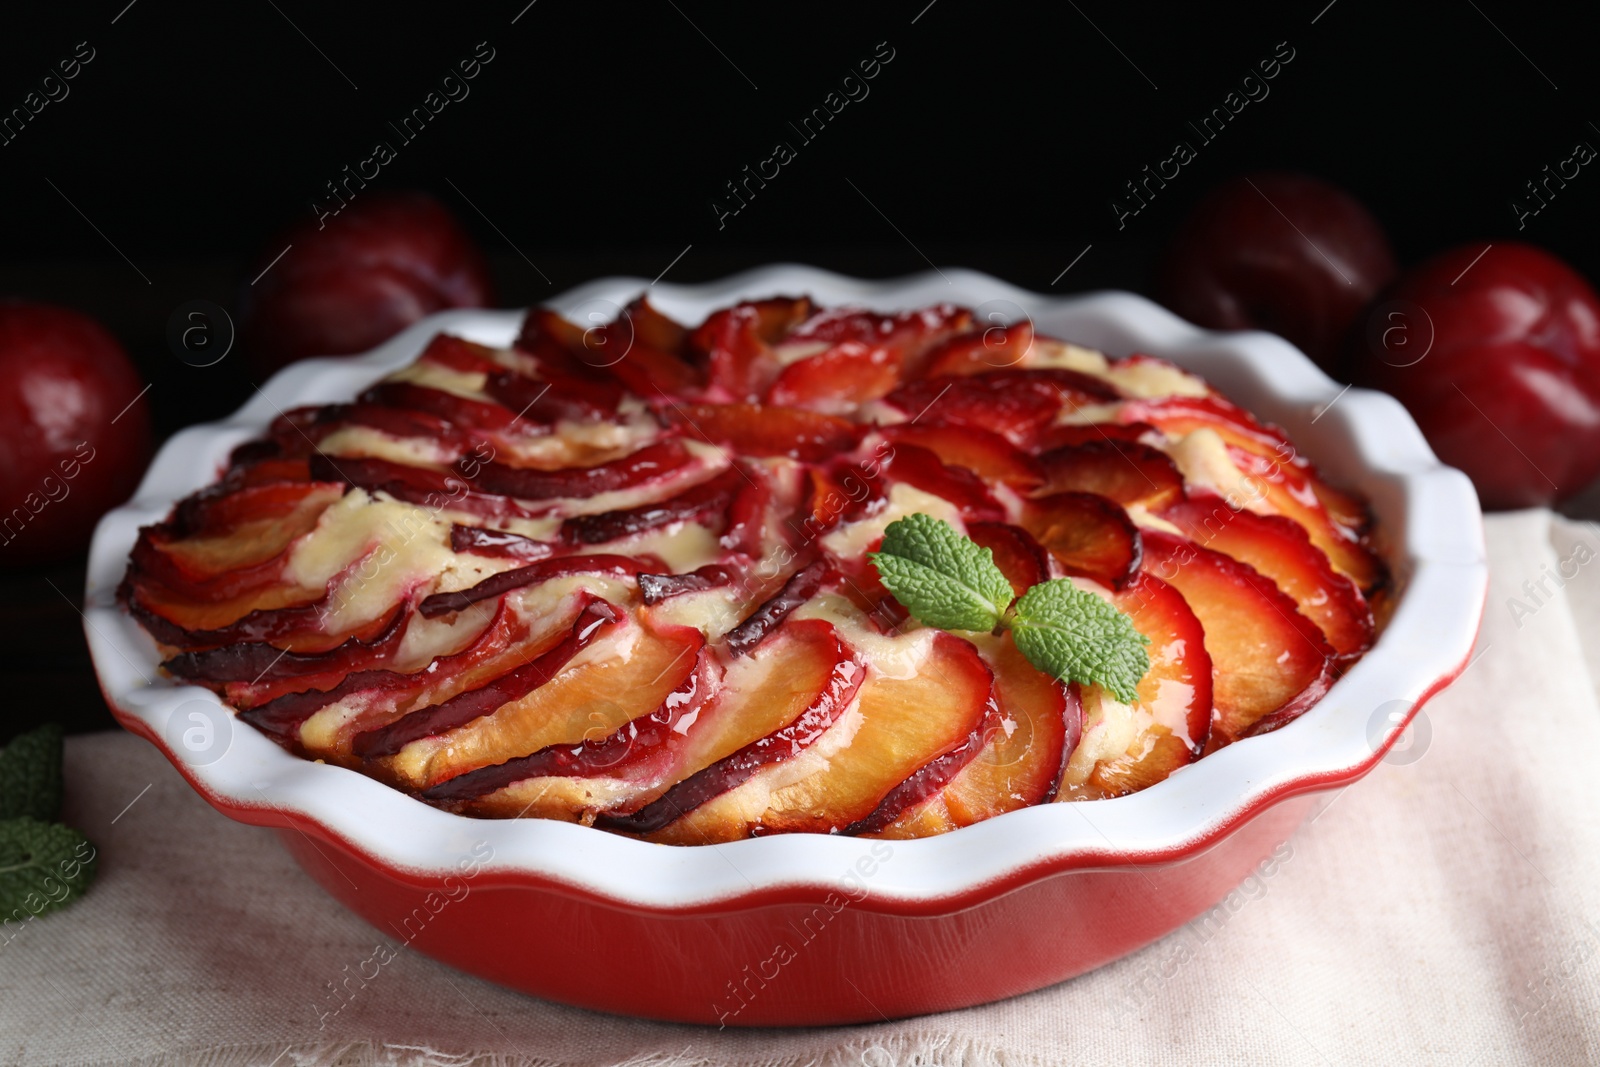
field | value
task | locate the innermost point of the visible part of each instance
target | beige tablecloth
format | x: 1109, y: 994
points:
x: 1444, y: 910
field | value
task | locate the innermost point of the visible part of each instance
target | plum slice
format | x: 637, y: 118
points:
x: 787, y: 694
x: 1022, y: 764
x: 654, y: 588
x: 1290, y: 491
x: 981, y: 351
x: 460, y: 355
x: 1125, y: 471
x: 824, y: 503
x: 498, y: 585
x: 1021, y: 558
x: 644, y: 350
x: 1287, y: 482
x: 427, y: 487
x: 312, y: 675
x: 457, y: 410
x: 372, y: 473
x: 555, y: 343
x: 697, y: 502
x: 1076, y: 433
x: 839, y: 378
x: 261, y: 614
x: 1179, y: 686
x: 292, y: 617
x: 910, y: 336
x: 737, y: 343
x: 630, y: 669
x: 503, y: 544
x: 641, y: 367
x: 765, y: 430
x: 641, y: 467
x: 501, y: 644
x: 393, y: 422
x: 1174, y: 701
x: 854, y: 490
x: 748, y: 512
x: 1280, y: 549
x: 656, y: 329
x: 624, y: 752
x: 1266, y: 656
x: 236, y: 510
x: 986, y: 454
x: 259, y: 463
x: 641, y: 350
x: 918, y: 467
x: 861, y: 584
x: 1040, y: 720
x: 1179, y: 415
x: 848, y: 769
x: 800, y: 587
x: 233, y: 546
x: 598, y: 617
x: 555, y: 397
x: 1087, y: 534
x: 932, y: 776
x: 293, y: 432
x: 1016, y: 404
x: 257, y: 661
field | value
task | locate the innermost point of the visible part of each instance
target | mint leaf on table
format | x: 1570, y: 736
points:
x: 1078, y: 637
x: 944, y: 579
x: 43, y: 866
x: 948, y: 580
x: 30, y: 775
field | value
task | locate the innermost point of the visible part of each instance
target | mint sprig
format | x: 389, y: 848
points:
x: 30, y: 775
x: 43, y: 864
x: 944, y: 579
x: 1076, y: 636
x: 947, y: 580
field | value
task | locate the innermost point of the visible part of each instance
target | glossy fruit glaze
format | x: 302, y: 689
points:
x: 619, y: 576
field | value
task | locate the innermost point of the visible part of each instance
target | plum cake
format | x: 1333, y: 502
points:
x: 624, y: 576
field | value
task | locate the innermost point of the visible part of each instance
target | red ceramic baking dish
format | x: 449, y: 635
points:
x: 801, y: 929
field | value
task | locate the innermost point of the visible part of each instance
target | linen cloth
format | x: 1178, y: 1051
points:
x: 1446, y: 909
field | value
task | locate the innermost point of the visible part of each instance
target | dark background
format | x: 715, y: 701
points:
x: 598, y: 136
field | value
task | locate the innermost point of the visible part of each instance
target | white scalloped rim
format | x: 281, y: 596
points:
x: 1428, y: 514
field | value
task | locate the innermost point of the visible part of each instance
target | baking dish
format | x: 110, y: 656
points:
x: 799, y: 929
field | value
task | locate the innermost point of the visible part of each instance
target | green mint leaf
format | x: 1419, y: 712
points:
x: 30, y: 775
x: 942, y: 578
x: 43, y: 866
x: 1078, y: 637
